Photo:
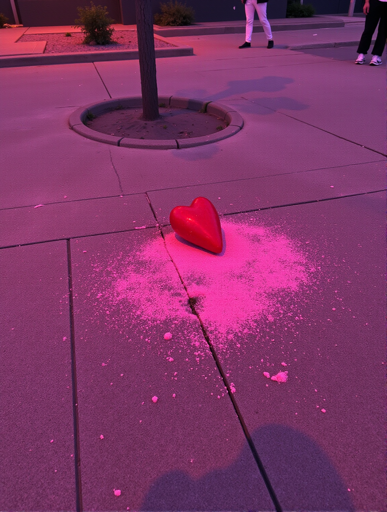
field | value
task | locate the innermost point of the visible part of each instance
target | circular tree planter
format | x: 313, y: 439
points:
x: 231, y: 122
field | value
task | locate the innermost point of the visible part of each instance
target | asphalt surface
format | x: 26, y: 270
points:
x: 93, y: 278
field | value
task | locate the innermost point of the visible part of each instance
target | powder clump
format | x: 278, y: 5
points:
x: 280, y: 377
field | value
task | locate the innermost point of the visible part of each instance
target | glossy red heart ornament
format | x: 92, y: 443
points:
x: 199, y: 224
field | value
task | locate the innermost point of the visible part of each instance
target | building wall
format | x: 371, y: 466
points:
x: 5, y: 8
x: 334, y: 6
x: 209, y: 10
x: 34, y: 13
x: 37, y: 13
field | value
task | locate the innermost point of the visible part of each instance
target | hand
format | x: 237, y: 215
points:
x: 366, y: 7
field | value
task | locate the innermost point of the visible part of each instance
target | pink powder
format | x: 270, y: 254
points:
x: 233, y: 291
x: 280, y: 377
x: 239, y: 287
x: 266, y: 374
x: 117, y: 492
x: 167, y: 336
x: 154, y: 399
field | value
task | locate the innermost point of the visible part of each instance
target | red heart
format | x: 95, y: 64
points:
x: 199, y: 224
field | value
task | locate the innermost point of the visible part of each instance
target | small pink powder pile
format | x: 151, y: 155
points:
x: 280, y: 377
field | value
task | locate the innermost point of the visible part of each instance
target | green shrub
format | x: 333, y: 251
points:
x: 95, y: 24
x: 175, y: 14
x: 3, y: 20
x: 296, y: 10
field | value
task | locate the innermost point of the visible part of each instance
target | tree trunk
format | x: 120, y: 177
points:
x: 147, y: 58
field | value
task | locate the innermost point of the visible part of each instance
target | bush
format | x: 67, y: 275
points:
x: 296, y: 10
x: 175, y: 14
x: 95, y: 24
x: 3, y: 20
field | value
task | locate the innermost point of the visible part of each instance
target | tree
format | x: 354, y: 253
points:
x: 147, y: 58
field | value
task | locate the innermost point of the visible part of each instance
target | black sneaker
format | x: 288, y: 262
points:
x: 270, y: 43
x: 245, y: 45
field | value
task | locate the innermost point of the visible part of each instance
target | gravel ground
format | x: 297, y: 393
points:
x: 59, y: 43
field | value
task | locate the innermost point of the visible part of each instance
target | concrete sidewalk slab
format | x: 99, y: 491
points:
x: 35, y: 47
x: 277, y: 149
x: 188, y: 436
x: 10, y: 36
x: 71, y: 219
x: 37, y: 431
x: 274, y: 191
x: 330, y: 336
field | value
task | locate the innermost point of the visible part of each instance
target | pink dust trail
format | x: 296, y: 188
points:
x: 233, y: 291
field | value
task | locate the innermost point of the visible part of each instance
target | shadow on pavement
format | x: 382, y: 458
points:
x: 301, y: 474
x: 341, y: 53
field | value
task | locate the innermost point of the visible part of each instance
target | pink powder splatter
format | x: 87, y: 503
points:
x: 154, y: 399
x: 167, y: 336
x: 280, y: 377
x: 323, y: 410
x: 117, y: 492
x: 101, y: 437
x: 233, y: 291
x: 283, y: 364
x: 232, y: 387
x: 266, y: 374
x: 237, y: 288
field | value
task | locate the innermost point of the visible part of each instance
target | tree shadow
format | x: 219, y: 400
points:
x: 300, y: 472
x: 243, y: 87
x: 271, y: 105
x: 264, y: 84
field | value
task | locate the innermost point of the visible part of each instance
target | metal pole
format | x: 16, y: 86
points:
x: 14, y: 11
x: 351, y: 7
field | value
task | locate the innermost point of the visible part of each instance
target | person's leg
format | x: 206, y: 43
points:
x: 382, y: 31
x: 261, y: 11
x: 249, y: 10
x: 371, y: 23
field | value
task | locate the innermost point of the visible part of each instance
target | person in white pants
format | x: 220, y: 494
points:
x: 261, y: 7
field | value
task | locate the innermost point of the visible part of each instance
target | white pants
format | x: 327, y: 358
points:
x: 250, y: 7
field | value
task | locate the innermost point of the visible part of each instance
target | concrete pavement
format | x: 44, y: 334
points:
x: 101, y: 410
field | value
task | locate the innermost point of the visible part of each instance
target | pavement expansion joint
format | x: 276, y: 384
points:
x: 77, y: 456
x: 192, y: 301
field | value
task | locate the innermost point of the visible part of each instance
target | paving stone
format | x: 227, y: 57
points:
x: 182, y: 452
x: 320, y: 435
x: 272, y: 191
x: 37, y: 432
x: 74, y: 218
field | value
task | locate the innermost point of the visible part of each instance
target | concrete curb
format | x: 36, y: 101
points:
x: 311, y: 46
x: 197, y: 30
x: 74, y: 58
x: 234, y: 120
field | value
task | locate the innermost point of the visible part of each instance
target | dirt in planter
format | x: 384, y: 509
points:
x: 59, y: 43
x: 174, y: 123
